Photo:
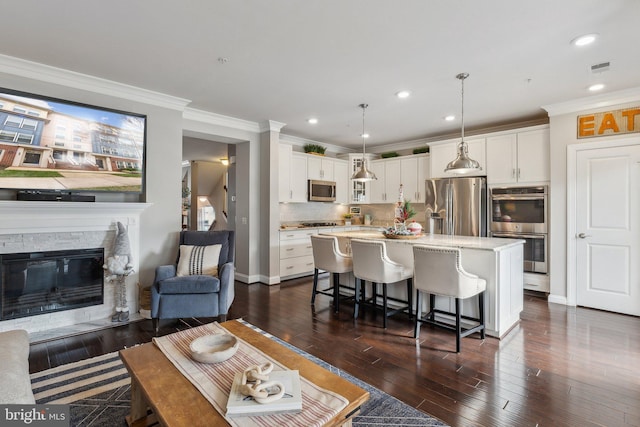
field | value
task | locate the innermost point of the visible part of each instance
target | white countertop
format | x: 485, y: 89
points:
x: 467, y: 242
x: 329, y: 227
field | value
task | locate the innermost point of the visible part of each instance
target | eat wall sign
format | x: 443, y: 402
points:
x: 609, y: 123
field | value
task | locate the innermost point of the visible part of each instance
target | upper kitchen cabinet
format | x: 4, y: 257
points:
x: 292, y: 175
x: 410, y: 171
x: 341, y: 177
x: 520, y: 157
x: 359, y: 191
x: 445, y: 152
x: 385, y: 188
x: 320, y: 168
x: 414, y: 170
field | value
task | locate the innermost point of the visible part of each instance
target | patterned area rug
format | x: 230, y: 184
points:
x: 98, y: 391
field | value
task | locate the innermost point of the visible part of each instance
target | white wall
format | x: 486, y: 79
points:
x: 246, y: 139
x: 563, y: 132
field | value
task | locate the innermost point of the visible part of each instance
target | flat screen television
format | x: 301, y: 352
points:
x: 52, y: 145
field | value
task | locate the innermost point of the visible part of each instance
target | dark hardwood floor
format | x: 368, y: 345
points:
x: 561, y: 366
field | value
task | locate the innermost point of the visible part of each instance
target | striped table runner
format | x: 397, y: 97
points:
x: 214, y: 380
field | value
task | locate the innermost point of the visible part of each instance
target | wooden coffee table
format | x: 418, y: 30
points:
x: 174, y: 401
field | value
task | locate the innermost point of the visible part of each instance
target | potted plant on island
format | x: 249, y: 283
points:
x: 402, y: 227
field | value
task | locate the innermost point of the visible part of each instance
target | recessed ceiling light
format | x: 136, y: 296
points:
x: 403, y: 94
x: 596, y: 87
x: 365, y: 135
x: 312, y: 121
x: 450, y: 118
x: 584, y: 40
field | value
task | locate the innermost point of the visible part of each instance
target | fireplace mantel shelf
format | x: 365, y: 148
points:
x: 38, y: 217
x: 12, y: 206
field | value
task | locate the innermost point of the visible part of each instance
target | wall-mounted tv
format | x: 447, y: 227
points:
x: 49, y: 145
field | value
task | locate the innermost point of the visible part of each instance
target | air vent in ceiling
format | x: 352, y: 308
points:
x: 601, y: 67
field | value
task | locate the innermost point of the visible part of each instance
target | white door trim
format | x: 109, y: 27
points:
x: 572, y: 152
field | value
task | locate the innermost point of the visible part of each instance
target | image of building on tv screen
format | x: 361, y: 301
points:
x: 48, y: 144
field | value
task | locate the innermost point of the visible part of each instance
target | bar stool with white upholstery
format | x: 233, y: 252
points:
x: 371, y: 263
x: 438, y: 271
x: 328, y: 257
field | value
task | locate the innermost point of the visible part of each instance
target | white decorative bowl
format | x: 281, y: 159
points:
x: 213, y: 348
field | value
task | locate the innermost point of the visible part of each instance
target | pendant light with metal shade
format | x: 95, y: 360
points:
x: 363, y: 175
x: 463, y: 163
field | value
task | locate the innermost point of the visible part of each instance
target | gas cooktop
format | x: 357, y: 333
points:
x: 318, y: 224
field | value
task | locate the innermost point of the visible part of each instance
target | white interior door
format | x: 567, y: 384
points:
x: 607, y: 228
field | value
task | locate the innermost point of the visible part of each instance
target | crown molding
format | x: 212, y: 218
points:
x: 593, y: 102
x: 33, y: 70
x: 271, y: 125
x: 298, y: 141
x: 210, y: 118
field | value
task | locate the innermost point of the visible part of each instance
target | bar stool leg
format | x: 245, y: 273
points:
x: 336, y: 291
x: 357, y: 297
x: 315, y: 286
x: 432, y: 307
x: 416, y: 323
x: 410, y: 296
x: 458, y: 325
x: 384, y: 305
x: 481, y: 312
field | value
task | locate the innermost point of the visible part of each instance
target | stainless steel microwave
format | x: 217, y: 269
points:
x: 322, y: 191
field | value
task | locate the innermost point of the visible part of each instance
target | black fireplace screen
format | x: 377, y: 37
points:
x: 43, y: 282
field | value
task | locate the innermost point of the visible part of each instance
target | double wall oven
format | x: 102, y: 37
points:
x: 521, y: 213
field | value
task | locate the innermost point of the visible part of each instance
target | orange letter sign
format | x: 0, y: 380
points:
x: 585, y: 126
x: 608, y: 122
x: 631, y: 118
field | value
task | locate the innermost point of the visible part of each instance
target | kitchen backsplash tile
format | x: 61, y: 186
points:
x: 382, y: 214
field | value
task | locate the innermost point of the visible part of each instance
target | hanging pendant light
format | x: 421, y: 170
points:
x: 463, y: 163
x: 363, y: 175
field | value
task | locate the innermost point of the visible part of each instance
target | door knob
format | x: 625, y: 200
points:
x: 583, y: 236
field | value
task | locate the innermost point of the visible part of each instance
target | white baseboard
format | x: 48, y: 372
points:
x: 244, y: 278
x: 557, y: 299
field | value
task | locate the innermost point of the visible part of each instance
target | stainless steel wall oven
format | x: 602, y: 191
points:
x: 521, y: 213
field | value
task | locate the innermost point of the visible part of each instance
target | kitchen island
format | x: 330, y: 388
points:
x: 498, y: 261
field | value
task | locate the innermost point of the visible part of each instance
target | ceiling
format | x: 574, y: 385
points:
x: 203, y: 150
x: 288, y: 60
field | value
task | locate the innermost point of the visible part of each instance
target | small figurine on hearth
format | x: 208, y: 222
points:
x: 119, y: 265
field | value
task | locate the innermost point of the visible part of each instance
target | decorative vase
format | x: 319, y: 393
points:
x: 414, y: 227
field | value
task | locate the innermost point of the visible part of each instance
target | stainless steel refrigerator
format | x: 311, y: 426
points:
x: 456, y: 206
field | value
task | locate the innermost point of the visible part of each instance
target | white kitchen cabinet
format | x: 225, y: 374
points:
x: 443, y: 153
x: 320, y: 168
x: 410, y: 171
x: 520, y: 157
x: 359, y: 191
x: 385, y: 188
x: 414, y: 170
x: 392, y: 180
x: 377, y: 187
x: 296, y: 252
x: 292, y: 173
x: 341, y: 177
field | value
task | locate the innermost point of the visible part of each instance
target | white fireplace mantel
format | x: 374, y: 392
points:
x: 27, y: 226
x: 46, y: 217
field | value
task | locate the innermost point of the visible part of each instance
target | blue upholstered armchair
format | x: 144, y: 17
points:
x: 192, y: 287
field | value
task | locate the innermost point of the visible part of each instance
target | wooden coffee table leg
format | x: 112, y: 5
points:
x: 138, y: 414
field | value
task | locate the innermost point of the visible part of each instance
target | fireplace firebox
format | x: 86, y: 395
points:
x: 42, y: 282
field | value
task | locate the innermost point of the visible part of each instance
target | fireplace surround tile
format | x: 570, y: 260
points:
x: 27, y: 226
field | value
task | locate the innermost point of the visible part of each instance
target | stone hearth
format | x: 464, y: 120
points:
x: 27, y: 226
